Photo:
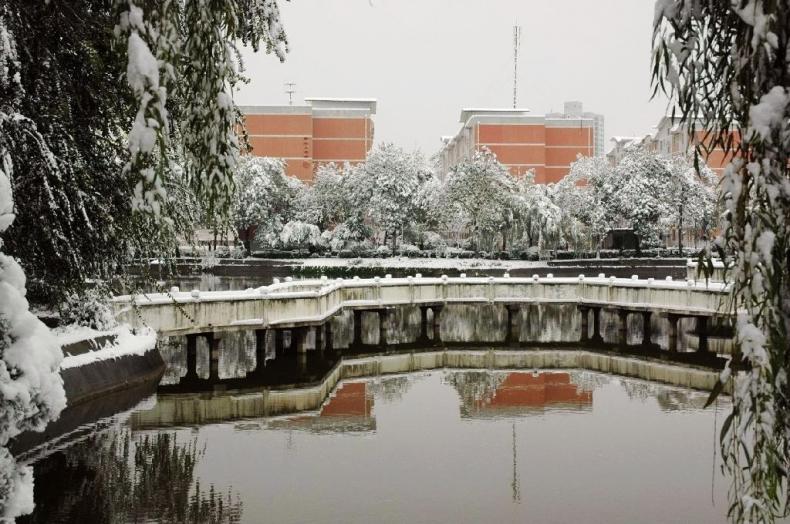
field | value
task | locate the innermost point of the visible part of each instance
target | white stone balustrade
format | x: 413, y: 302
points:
x: 306, y: 302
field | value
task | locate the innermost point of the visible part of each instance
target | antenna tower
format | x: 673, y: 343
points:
x: 516, y: 45
x: 289, y: 88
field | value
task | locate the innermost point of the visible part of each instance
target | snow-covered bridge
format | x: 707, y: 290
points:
x: 305, y: 303
x: 305, y: 307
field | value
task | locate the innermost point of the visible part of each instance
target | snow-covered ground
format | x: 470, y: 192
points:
x: 407, y: 262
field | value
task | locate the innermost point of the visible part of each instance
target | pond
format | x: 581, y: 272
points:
x: 440, y: 446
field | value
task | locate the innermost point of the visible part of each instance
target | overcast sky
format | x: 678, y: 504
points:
x: 424, y: 60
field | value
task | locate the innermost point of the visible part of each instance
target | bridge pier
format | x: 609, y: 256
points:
x: 702, y: 334
x: 596, y: 337
x: 319, y: 337
x: 279, y: 343
x: 423, y: 338
x: 512, y: 336
x: 357, y: 341
x: 328, y: 336
x: 622, y: 329
x: 585, y: 311
x: 647, y: 328
x: 437, y: 317
x: 673, y: 331
x: 299, y: 339
x: 383, y: 313
x: 191, y: 357
x: 260, y: 349
x: 213, y: 361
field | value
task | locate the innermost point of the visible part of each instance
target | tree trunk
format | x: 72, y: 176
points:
x: 680, y: 231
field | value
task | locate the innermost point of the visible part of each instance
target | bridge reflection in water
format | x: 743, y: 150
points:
x: 217, y: 376
x: 303, y: 354
x: 528, y: 445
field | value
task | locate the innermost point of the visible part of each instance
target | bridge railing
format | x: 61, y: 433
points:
x: 306, y: 301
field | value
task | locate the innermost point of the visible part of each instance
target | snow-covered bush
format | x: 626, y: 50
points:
x: 299, y: 235
x: 383, y: 252
x: 90, y: 309
x: 433, y: 240
x: 409, y: 250
x: 209, y: 261
x: 339, y: 237
x: 362, y: 248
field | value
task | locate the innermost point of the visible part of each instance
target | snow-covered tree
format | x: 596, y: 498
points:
x: 265, y: 198
x: 429, y: 209
x: 725, y: 66
x: 394, y: 176
x: 481, y: 189
x: 691, y: 197
x: 327, y: 202
x: 537, y: 217
x: 585, y: 217
x: 98, y: 130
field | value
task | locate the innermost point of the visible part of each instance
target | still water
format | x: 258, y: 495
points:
x: 440, y: 446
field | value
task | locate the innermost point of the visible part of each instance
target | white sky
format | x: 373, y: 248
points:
x: 424, y: 60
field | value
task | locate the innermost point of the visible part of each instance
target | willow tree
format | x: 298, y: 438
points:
x: 726, y: 66
x: 119, y: 121
x: 101, y: 105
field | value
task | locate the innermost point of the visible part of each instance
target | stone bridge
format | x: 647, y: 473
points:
x: 307, y: 303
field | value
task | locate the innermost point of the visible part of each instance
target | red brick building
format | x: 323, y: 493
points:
x: 324, y: 130
x: 546, y: 144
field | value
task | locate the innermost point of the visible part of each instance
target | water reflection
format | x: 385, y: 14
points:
x: 349, y: 409
x: 486, y: 394
x: 442, y: 446
x: 115, y: 476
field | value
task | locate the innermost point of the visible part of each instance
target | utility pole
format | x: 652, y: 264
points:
x: 516, y: 45
x: 289, y: 88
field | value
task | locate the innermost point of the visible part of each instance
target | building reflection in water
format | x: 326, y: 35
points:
x: 487, y: 394
x: 348, y: 409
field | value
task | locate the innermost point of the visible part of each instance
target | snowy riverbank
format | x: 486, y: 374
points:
x: 107, y: 345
